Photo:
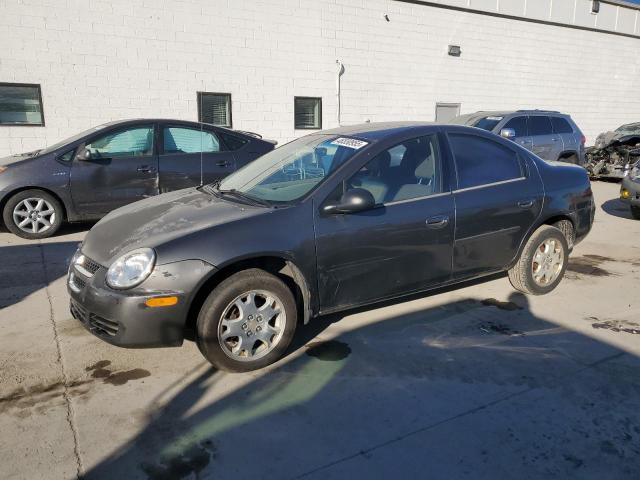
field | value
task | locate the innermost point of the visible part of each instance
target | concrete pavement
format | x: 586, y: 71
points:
x: 474, y: 382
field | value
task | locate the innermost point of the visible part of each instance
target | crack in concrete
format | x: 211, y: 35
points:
x: 450, y: 419
x: 65, y: 376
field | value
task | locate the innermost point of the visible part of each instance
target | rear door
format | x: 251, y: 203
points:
x: 189, y: 155
x: 498, y: 198
x: 546, y: 143
x: 123, y: 169
x: 570, y: 140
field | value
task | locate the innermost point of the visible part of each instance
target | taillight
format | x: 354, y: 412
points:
x: 583, y: 139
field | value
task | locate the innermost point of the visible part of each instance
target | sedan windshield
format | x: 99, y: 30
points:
x: 293, y: 170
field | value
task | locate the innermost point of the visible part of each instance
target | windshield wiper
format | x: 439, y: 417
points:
x: 243, y: 196
x: 210, y: 188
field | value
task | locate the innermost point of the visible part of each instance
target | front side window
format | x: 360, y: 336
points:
x: 189, y: 140
x: 417, y: 173
x: 20, y: 104
x: 481, y: 161
x: 539, y: 125
x: 293, y: 170
x: 132, y: 142
x: 519, y: 125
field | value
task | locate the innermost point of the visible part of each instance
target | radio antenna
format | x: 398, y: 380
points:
x: 201, y: 140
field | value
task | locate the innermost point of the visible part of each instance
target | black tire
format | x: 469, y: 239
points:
x: 222, y: 297
x: 566, y: 227
x: 521, y: 275
x: 57, y: 218
x: 635, y: 212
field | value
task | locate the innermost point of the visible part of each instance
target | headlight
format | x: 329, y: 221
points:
x: 131, y: 269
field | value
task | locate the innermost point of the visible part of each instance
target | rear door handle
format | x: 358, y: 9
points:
x: 439, y: 221
x: 223, y: 163
x: 525, y: 204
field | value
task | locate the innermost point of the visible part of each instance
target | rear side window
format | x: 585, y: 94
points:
x: 189, y: 140
x: 539, y: 125
x: 233, y: 142
x: 560, y: 125
x: 519, y: 125
x: 481, y: 161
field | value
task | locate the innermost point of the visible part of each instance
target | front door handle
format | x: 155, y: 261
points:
x: 223, y: 163
x: 146, y: 169
x: 439, y: 221
x: 525, y: 204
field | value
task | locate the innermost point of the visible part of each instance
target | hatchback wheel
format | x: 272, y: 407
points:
x: 542, y: 262
x: 33, y: 214
x: 247, y: 322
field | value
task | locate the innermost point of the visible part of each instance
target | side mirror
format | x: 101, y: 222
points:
x: 352, y: 201
x: 84, y: 155
x: 509, y: 133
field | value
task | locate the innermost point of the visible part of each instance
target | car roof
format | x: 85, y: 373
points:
x: 166, y: 120
x: 375, y: 131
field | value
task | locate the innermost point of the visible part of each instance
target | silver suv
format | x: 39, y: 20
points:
x: 550, y: 135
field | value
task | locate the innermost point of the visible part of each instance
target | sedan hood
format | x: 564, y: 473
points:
x: 157, y: 220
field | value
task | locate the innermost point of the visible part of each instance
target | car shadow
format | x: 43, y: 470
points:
x: 27, y: 268
x: 474, y: 388
x: 617, y: 208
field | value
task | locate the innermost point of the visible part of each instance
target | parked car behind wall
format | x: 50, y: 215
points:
x: 106, y: 167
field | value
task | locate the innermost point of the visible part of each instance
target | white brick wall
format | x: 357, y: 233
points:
x: 99, y: 60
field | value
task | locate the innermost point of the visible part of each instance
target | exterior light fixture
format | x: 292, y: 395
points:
x: 595, y: 6
x: 454, y: 50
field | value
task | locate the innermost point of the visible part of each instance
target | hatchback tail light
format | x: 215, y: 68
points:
x: 583, y: 139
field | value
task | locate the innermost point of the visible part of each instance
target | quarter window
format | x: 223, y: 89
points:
x: 481, y: 161
x: 560, y: 125
x: 519, y: 125
x: 416, y: 174
x: 137, y: 141
x: 20, y: 104
x: 232, y: 142
x: 215, y: 108
x: 539, y: 125
x: 308, y: 113
x: 189, y: 140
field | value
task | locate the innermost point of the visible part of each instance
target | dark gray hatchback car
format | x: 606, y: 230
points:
x: 330, y: 221
x: 106, y: 167
x: 550, y: 135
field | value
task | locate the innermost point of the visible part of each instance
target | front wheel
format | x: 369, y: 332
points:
x: 635, y: 212
x: 542, y: 262
x: 33, y: 214
x: 247, y: 321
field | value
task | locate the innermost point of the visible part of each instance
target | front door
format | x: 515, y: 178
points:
x: 402, y: 245
x: 123, y: 168
x: 498, y: 199
x: 190, y: 156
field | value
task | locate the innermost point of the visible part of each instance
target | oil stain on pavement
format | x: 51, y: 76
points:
x: 589, y: 265
x: 330, y: 351
x: 618, y: 326
x: 99, y: 370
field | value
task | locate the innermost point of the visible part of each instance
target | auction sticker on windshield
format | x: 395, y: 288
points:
x: 349, y: 142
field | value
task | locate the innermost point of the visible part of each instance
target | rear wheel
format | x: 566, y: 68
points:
x: 247, y: 321
x: 33, y: 214
x: 635, y: 212
x: 542, y: 262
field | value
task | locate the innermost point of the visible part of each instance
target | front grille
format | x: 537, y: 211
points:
x: 102, y: 325
x: 78, y: 282
x: 78, y: 311
x: 90, y: 265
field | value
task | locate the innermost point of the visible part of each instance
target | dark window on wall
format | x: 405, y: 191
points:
x: 308, y: 113
x: 21, y: 104
x: 215, y: 108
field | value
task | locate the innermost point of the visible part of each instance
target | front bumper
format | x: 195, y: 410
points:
x: 630, y: 191
x: 122, y: 318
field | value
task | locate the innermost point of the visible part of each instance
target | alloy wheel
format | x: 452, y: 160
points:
x: 547, y: 262
x: 34, y: 215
